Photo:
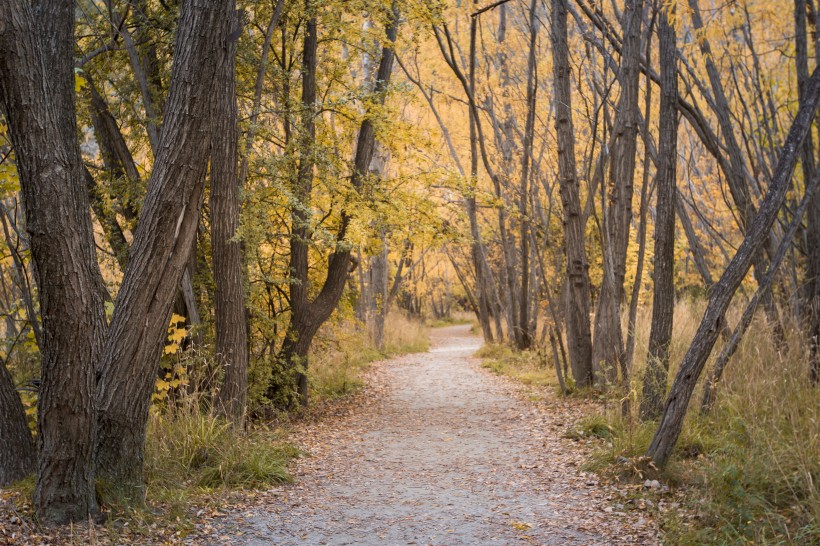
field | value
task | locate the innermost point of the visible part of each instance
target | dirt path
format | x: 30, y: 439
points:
x: 442, y: 452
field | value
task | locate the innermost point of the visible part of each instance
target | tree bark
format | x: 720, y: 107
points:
x: 37, y: 97
x: 161, y: 246
x: 608, y: 345
x: 663, y: 302
x: 524, y: 300
x: 229, y: 301
x: 579, y: 338
x: 812, y: 289
x: 677, y: 402
x: 710, y: 387
x: 17, y: 456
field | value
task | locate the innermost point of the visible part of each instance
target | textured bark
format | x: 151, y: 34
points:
x: 608, y: 345
x: 713, y: 318
x: 17, y: 456
x: 812, y: 288
x: 161, y: 246
x: 229, y: 302
x: 378, y: 294
x: 663, y: 302
x: 37, y: 94
x: 579, y: 338
x: 525, y: 298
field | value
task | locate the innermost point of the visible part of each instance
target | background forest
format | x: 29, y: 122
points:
x: 217, y: 212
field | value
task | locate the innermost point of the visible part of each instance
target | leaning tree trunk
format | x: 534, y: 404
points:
x: 608, y: 345
x: 577, y: 304
x: 229, y: 303
x: 37, y: 97
x: 711, y: 324
x: 663, y: 302
x: 162, y: 244
x: 17, y: 455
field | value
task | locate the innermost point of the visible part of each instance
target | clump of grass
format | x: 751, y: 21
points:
x: 189, y: 453
x: 528, y: 367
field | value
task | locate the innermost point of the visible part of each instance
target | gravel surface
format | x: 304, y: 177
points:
x: 440, y: 451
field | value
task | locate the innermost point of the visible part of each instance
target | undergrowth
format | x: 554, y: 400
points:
x: 528, y: 367
x: 747, y: 472
x: 343, y: 353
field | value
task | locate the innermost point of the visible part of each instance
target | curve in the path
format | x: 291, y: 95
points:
x: 446, y: 456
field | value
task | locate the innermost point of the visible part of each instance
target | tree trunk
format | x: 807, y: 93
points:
x: 306, y: 315
x: 524, y: 300
x: 229, y: 302
x: 17, y: 455
x: 608, y: 345
x: 579, y: 337
x: 162, y: 245
x: 677, y: 402
x: 812, y: 288
x: 710, y: 387
x: 37, y: 97
x: 663, y: 302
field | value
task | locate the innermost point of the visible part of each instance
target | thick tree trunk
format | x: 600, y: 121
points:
x: 608, y: 345
x: 17, y: 456
x: 663, y: 302
x: 161, y: 246
x: 229, y: 301
x: 37, y: 97
x: 579, y: 337
x: 677, y: 402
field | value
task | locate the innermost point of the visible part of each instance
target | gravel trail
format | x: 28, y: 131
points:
x: 440, y: 451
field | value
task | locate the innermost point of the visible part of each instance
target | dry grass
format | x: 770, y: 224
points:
x: 747, y: 472
x: 341, y: 357
x: 750, y: 467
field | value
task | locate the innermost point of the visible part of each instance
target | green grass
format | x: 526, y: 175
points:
x: 528, y: 367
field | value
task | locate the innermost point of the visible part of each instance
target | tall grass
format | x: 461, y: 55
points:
x: 749, y: 470
x: 343, y: 352
x: 750, y: 467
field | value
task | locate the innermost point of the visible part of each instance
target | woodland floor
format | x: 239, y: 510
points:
x: 438, y: 450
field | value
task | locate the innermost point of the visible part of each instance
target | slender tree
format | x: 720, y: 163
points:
x: 608, y: 344
x: 710, y: 326
x: 579, y: 338
x: 663, y: 302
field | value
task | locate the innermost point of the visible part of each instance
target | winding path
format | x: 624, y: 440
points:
x: 440, y: 452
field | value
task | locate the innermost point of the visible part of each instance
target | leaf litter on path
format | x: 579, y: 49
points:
x: 437, y: 450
